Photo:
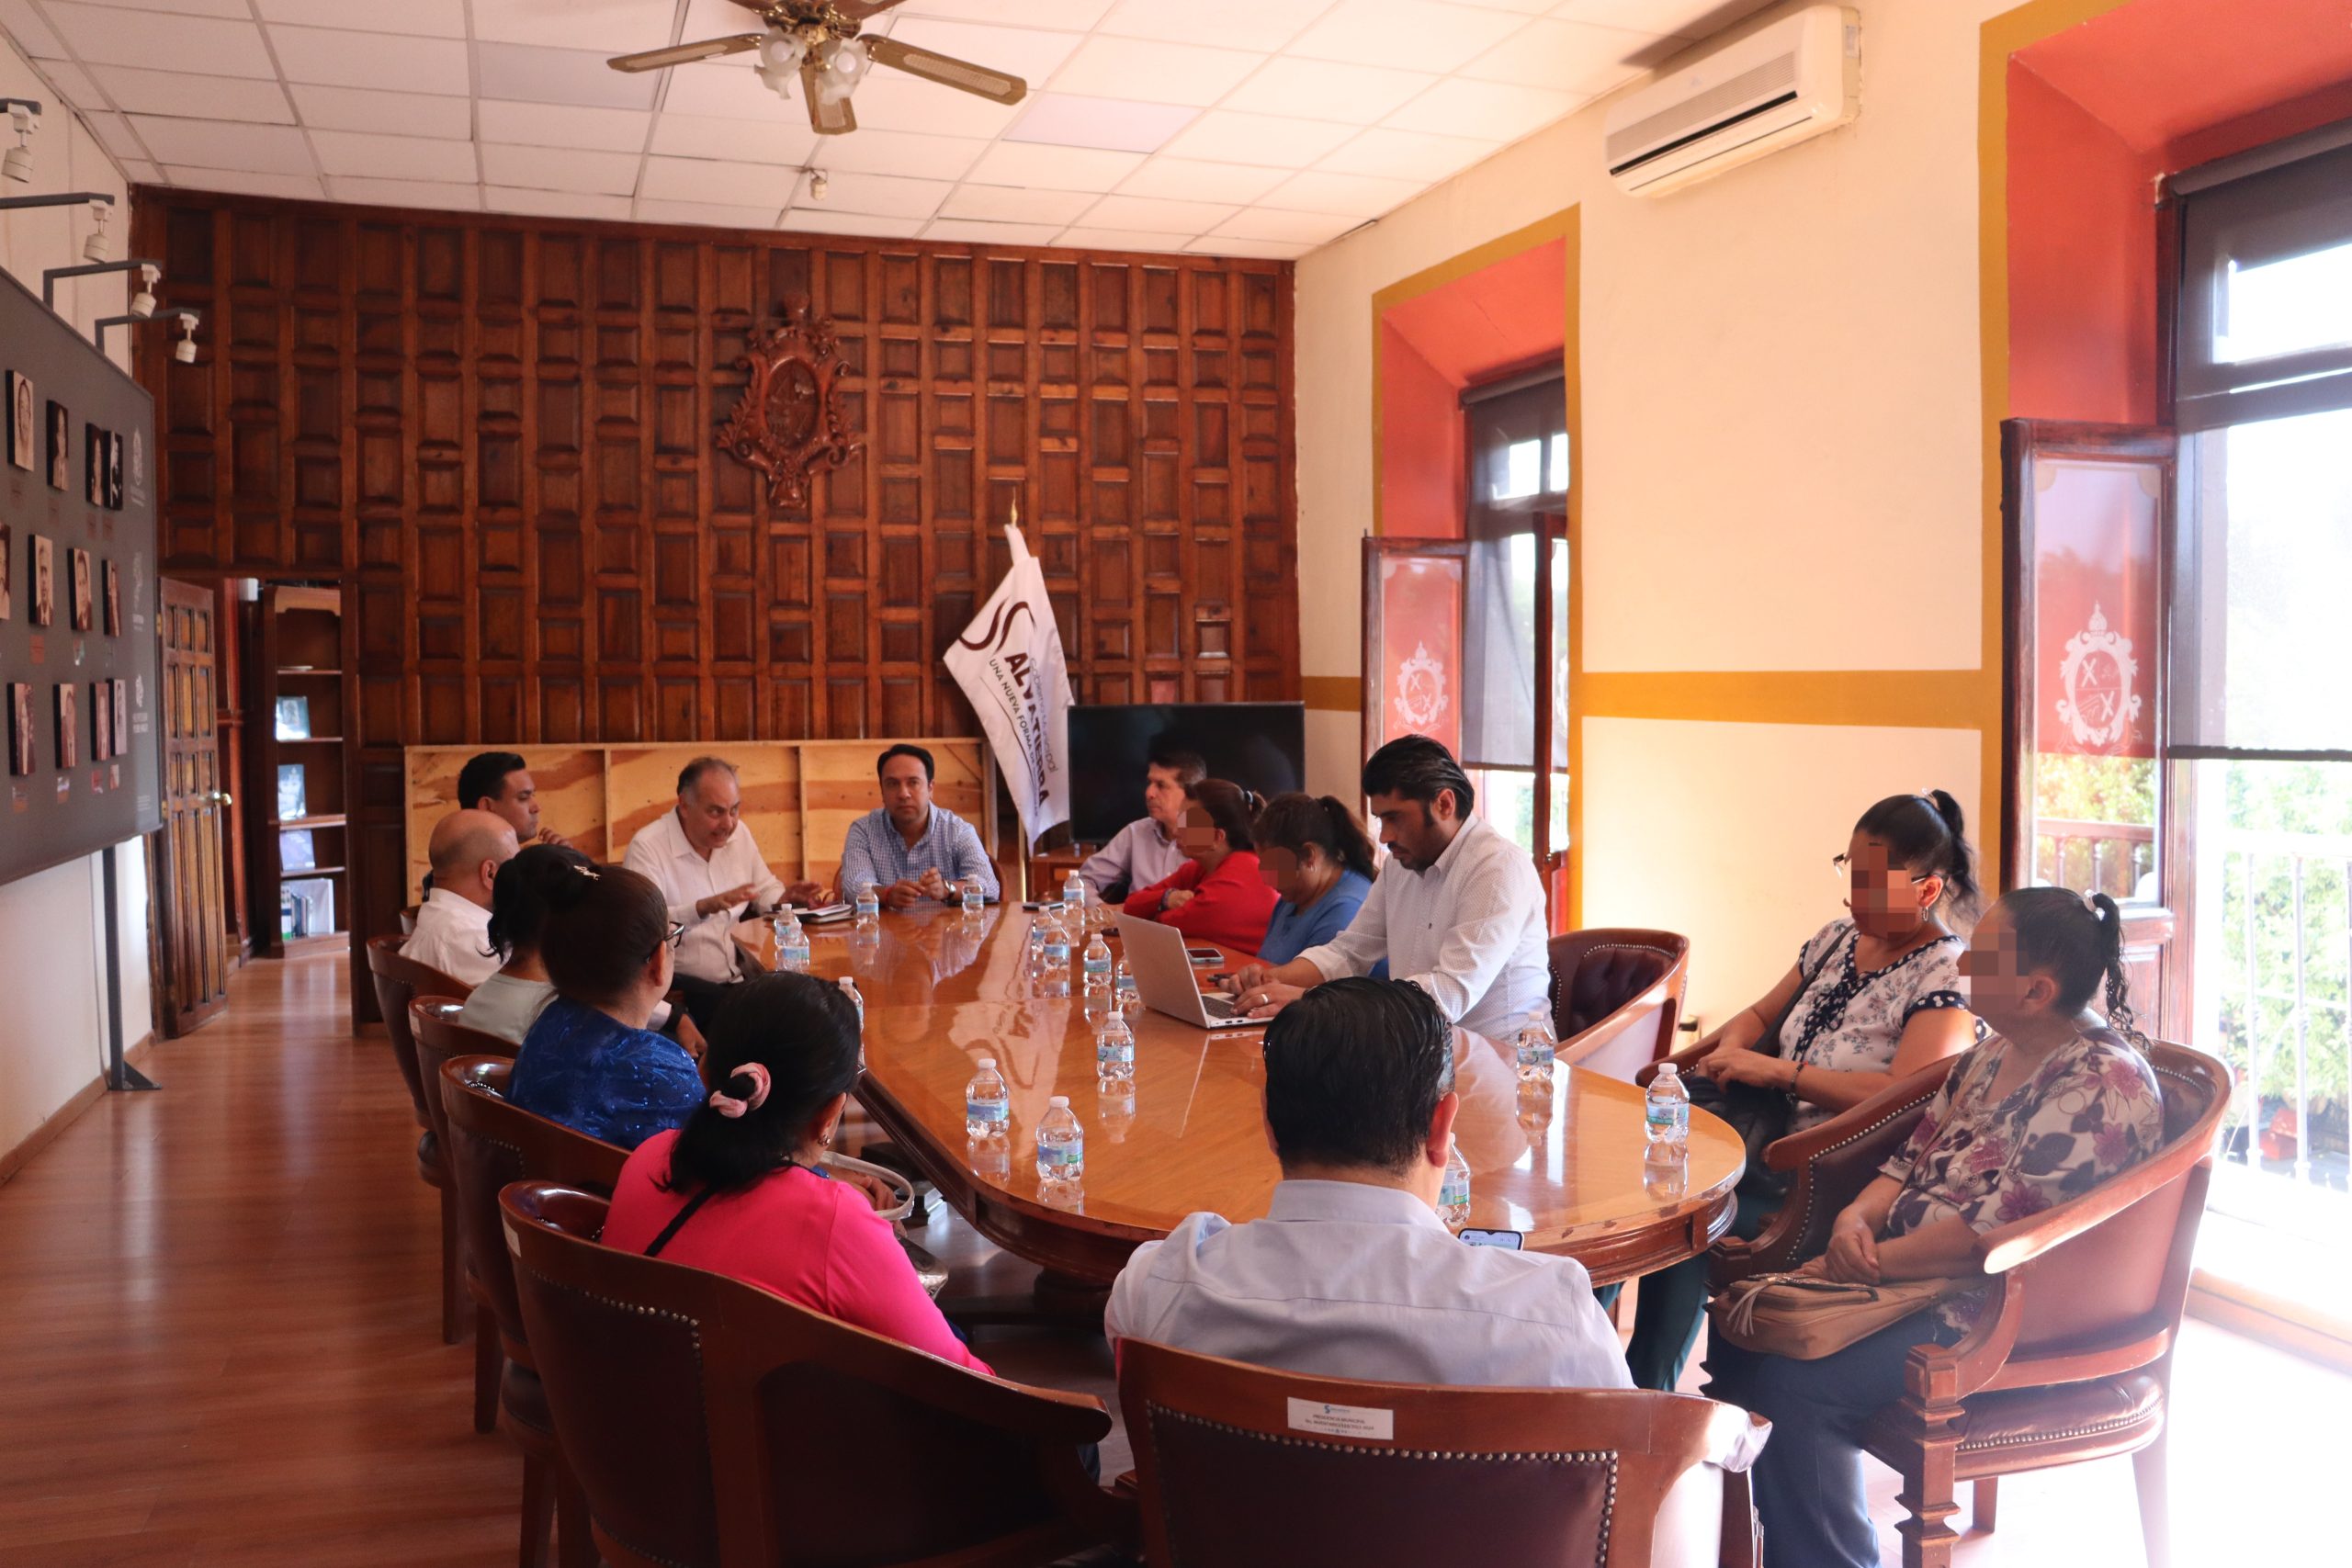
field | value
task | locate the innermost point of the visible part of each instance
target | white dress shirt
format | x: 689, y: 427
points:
x: 1343, y: 1280
x: 661, y: 851
x: 453, y: 935
x: 506, y: 1006
x: 1469, y: 931
x: 1138, y: 856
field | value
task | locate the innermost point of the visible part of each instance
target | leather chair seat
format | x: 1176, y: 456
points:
x: 428, y: 1160
x: 1605, y: 980
x: 2023, y: 1428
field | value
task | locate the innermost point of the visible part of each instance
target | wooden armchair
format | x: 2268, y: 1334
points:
x: 1616, y: 993
x: 711, y: 1423
x: 2071, y: 1358
x: 397, y: 982
x: 1242, y: 1466
x: 491, y: 1143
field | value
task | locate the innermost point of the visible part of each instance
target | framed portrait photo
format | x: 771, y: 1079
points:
x: 7, y: 570
x: 44, y: 582
x: 20, y: 729
x: 101, y: 720
x: 61, y: 447
x: 121, y: 717
x: 114, y: 470
x: 79, y: 562
x: 69, y: 710
x: 113, y: 581
x: 94, y: 446
x: 23, y: 433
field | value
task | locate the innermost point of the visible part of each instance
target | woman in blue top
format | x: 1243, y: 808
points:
x: 590, y: 1061
x: 1312, y: 852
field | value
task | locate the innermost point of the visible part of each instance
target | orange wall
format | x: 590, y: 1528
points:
x: 1422, y: 477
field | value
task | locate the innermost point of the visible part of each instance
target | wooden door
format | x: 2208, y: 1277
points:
x: 191, y: 897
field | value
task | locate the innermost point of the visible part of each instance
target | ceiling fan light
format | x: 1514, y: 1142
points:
x: 847, y: 60
x: 781, y: 52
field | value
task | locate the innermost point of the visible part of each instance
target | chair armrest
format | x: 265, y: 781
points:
x: 2003, y: 1247
x: 1684, y: 1060
x: 1644, y: 1011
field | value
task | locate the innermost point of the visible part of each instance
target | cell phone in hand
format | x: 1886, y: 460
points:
x: 1509, y: 1241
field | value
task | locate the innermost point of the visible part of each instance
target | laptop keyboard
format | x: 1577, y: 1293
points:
x: 1218, y: 1007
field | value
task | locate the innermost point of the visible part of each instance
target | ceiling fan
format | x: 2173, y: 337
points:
x: 817, y: 41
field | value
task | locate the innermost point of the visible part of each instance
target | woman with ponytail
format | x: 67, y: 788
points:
x: 510, y: 1002
x: 1216, y: 895
x: 1873, y: 997
x: 741, y: 1190
x: 2055, y: 1103
x: 1314, y: 854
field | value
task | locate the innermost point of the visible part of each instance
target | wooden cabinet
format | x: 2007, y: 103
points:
x: 296, y: 758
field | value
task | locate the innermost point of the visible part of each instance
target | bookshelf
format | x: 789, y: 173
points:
x: 297, y: 834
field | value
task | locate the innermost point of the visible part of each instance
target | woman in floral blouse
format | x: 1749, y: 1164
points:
x: 2055, y: 1104
x: 1877, y: 997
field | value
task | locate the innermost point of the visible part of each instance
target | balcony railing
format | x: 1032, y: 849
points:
x: 2113, y: 858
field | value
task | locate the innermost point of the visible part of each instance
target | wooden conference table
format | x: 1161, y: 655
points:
x: 1565, y: 1166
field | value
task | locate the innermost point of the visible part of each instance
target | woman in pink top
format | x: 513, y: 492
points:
x: 744, y: 1173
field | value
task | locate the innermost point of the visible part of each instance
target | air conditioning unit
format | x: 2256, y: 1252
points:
x: 1785, y: 83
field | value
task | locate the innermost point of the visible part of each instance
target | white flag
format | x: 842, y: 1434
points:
x: 1008, y: 662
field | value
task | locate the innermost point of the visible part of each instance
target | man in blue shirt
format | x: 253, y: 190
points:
x: 911, y: 848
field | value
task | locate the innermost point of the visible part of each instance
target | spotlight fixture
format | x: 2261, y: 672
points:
x: 818, y: 185
x: 185, y: 350
x: 22, y: 113
x: 94, y: 247
x: 142, y: 304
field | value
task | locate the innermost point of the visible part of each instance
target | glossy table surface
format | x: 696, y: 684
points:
x: 1563, y: 1162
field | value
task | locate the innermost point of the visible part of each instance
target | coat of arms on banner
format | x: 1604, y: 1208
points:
x: 1420, y: 689
x: 2097, y: 670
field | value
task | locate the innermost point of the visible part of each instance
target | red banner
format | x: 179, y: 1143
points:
x: 2095, y: 646
x: 1417, y: 685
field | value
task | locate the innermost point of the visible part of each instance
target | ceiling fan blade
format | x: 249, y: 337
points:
x: 684, y: 54
x: 948, y: 70
x: 835, y: 118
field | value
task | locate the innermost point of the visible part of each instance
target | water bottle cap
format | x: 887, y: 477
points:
x: 989, y: 1062
x: 1668, y: 1070
x: 1059, y: 1102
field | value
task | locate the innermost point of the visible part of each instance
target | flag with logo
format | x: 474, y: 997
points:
x: 1008, y: 662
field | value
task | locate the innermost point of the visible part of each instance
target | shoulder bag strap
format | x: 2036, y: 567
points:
x: 678, y: 1220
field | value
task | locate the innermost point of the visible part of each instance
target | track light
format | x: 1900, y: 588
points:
x: 818, y: 185
x: 22, y: 114
x: 185, y: 350
x: 94, y: 247
x: 142, y: 304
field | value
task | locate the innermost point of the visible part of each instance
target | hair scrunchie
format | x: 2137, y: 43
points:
x: 727, y: 1105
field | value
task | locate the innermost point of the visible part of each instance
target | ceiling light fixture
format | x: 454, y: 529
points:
x: 142, y: 304
x: 183, y: 351
x: 818, y: 185
x: 23, y: 113
x: 780, y: 57
x: 94, y: 247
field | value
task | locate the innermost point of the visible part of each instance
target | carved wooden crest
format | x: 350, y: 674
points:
x: 790, y: 422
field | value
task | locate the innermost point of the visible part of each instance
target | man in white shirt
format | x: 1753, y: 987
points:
x: 1146, y: 850
x: 453, y: 923
x: 1351, y: 1274
x: 703, y: 859
x: 1457, y: 908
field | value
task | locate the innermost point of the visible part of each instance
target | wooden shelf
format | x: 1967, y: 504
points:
x: 298, y: 873
x: 305, y: 669
x: 284, y: 823
x: 309, y: 740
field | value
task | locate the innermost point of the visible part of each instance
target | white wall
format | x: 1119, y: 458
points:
x: 52, y: 958
x: 1781, y: 471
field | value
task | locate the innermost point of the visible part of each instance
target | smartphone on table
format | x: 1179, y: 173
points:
x: 1509, y: 1241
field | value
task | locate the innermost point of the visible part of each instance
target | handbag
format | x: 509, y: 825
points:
x: 1761, y: 1116
x: 1805, y: 1317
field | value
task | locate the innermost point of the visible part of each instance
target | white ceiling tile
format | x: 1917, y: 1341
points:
x: 1349, y: 195
x: 563, y: 125
x: 1120, y: 240
x: 1075, y: 14
x: 340, y: 58
x: 886, y: 196
x: 140, y: 172
x: 241, y: 182
x: 1189, y: 179
x: 818, y: 220
x: 532, y: 75
x: 727, y: 89
x: 1257, y: 250
x: 114, y: 134
x: 1002, y: 204
x: 1150, y: 71
x: 895, y: 152
x: 384, y: 157
x: 1070, y: 119
x: 105, y: 35
x: 1263, y: 24
x: 426, y: 18
x: 395, y: 114
x: 236, y: 8
x: 969, y: 231
x: 406, y: 193
x: 692, y: 136
x: 892, y: 100
x: 1157, y: 214
x: 1291, y: 228
x: 194, y: 98
x: 552, y: 168
x: 1053, y: 168
x: 1227, y: 136
x: 1378, y: 32
x: 708, y: 214
x: 616, y: 27
x: 1684, y: 19
x: 1323, y: 89
x: 24, y: 28
x: 556, y: 203
x: 218, y: 144
x: 1407, y: 154
x: 1569, y: 56
x: 1496, y: 111
x: 1024, y: 51
x: 728, y: 183
x: 79, y: 88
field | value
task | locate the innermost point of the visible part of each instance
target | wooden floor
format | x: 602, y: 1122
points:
x: 220, y: 1343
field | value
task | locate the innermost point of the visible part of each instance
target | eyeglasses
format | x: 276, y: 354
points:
x: 677, y: 933
x: 1844, y: 866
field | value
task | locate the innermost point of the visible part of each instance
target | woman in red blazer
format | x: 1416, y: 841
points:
x: 1216, y: 895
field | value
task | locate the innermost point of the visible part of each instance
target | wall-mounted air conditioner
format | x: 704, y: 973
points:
x: 1791, y: 81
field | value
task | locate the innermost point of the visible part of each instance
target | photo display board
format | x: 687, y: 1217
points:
x: 81, y: 665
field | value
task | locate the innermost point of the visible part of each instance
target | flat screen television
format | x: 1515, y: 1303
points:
x: 1261, y: 745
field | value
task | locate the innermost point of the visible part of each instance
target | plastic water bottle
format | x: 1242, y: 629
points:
x: 1074, y: 891
x: 972, y: 900
x: 1098, y: 978
x: 1037, y: 950
x: 869, y: 904
x: 1115, y: 1052
x: 1130, y: 1000
x: 1057, y: 952
x: 791, y: 943
x: 1061, y: 1144
x: 1666, y: 1111
x: 1454, y: 1193
x: 988, y: 1104
x: 849, y: 990
x: 1537, y: 1048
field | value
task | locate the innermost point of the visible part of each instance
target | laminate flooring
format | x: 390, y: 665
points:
x: 221, y: 1351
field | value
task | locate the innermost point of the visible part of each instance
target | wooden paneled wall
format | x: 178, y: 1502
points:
x: 496, y: 434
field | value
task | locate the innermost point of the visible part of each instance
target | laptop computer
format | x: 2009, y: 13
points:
x: 1164, y: 977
